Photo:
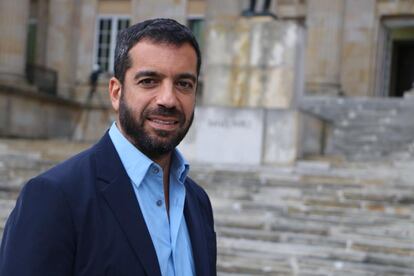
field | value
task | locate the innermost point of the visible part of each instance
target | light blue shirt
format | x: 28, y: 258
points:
x: 169, y: 236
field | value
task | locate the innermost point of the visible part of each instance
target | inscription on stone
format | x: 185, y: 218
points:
x: 225, y: 135
x: 229, y: 123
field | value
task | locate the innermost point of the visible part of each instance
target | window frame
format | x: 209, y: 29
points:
x: 114, y: 32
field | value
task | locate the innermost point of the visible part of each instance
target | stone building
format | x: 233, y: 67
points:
x: 292, y: 78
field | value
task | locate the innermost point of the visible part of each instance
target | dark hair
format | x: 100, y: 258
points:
x: 160, y: 30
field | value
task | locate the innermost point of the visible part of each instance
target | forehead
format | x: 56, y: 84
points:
x: 151, y: 55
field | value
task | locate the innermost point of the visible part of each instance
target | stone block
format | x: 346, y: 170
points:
x: 281, y: 137
x: 267, y: 88
x: 225, y: 136
x: 4, y: 114
x: 230, y: 9
x: 175, y: 9
x: 27, y: 118
x: 311, y: 134
x: 252, y: 63
x: 228, y: 43
x: 279, y: 88
x: 216, y: 85
x: 274, y: 44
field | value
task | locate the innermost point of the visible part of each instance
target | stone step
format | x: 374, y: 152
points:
x: 313, y: 218
x: 382, y: 128
x: 336, y: 239
x: 6, y: 206
x: 335, y: 259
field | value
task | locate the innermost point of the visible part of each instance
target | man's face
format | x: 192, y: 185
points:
x: 156, y: 102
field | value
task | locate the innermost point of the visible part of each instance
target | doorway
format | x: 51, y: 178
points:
x: 402, y: 69
x: 396, y: 74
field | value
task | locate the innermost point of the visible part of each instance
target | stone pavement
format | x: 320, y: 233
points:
x: 318, y: 217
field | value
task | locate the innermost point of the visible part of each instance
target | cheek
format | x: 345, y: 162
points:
x: 137, y: 105
x: 188, y: 105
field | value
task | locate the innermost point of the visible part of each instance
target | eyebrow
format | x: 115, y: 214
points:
x: 146, y: 73
x: 149, y: 73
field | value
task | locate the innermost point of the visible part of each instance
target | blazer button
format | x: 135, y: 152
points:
x: 159, y: 202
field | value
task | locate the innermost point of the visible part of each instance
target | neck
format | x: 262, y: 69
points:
x: 164, y: 161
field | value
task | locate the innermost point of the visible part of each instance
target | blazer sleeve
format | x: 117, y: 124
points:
x: 39, y: 237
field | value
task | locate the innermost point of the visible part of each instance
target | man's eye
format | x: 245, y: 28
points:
x: 185, y: 84
x: 147, y: 82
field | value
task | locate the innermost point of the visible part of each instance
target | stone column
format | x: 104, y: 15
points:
x: 41, y: 36
x: 59, y: 43
x: 324, y: 22
x: 86, y: 38
x: 14, y: 17
x: 86, y: 35
x: 146, y: 9
x: 359, y: 48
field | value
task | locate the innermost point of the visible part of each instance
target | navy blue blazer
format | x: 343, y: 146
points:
x: 82, y: 218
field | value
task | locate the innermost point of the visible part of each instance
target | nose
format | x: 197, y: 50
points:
x: 166, y: 95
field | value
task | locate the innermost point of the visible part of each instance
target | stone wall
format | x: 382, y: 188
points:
x: 146, y: 9
x: 29, y: 114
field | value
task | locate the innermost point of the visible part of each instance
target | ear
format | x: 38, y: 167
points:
x: 115, y: 90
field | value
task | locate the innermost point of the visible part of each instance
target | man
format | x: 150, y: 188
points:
x: 124, y: 206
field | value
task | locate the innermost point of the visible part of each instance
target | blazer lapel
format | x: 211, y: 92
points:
x: 115, y: 186
x: 197, y: 234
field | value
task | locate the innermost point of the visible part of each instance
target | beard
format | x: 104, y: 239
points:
x: 159, y: 143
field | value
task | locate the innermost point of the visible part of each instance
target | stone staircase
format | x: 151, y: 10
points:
x: 366, y: 128
x: 22, y: 159
x: 318, y: 217
x: 313, y: 219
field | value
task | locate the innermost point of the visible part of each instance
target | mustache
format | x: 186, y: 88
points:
x: 164, y: 111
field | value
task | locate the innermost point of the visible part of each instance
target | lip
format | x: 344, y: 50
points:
x: 163, y: 123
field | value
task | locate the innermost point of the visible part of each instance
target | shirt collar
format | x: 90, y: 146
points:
x: 137, y: 164
x: 179, y: 166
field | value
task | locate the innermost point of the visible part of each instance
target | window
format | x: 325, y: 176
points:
x: 196, y: 25
x: 107, y: 31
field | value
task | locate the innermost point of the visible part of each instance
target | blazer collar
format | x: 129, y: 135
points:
x: 116, y: 188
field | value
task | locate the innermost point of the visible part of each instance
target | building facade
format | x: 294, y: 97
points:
x: 354, y: 48
x: 257, y: 54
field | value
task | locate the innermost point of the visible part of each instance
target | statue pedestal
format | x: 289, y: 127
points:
x: 252, y: 78
x: 254, y: 62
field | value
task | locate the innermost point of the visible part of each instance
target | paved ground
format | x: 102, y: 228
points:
x: 314, y: 218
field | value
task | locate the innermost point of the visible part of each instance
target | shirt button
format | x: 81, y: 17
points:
x: 155, y: 170
x: 159, y: 202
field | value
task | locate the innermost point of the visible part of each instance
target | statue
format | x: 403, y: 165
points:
x: 251, y: 11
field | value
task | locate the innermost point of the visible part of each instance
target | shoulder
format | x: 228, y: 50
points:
x: 72, y: 178
x: 196, y: 189
x: 71, y: 167
x: 200, y: 195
